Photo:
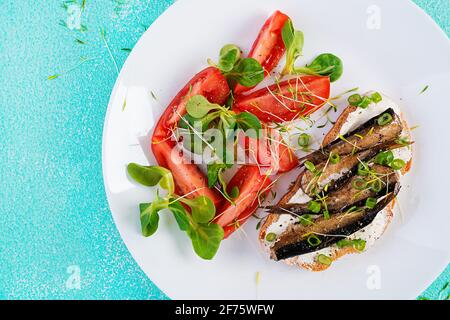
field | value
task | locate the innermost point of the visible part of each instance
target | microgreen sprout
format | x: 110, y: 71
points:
x: 103, y: 37
x: 83, y: 60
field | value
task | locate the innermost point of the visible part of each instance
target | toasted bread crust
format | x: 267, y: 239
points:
x: 272, y: 218
x: 407, y: 130
x: 338, y: 253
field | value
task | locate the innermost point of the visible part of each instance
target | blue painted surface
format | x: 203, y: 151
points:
x: 55, y: 220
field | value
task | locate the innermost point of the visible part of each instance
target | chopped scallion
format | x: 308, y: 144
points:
x: 371, y: 203
x: 397, y: 164
x: 366, y: 101
x: 384, y: 119
x: 304, y: 140
x: 343, y: 243
x: 271, y: 237
x: 359, y: 184
x: 314, y: 241
x: 376, y: 186
x: 359, y: 244
x: 323, y: 259
x: 376, y: 97
x: 334, y: 158
x: 355, y: 99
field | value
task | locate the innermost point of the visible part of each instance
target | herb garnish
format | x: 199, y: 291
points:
x: 248, y: 72
x: 83, y: 60
x: 325, y: 64
x: 358, y: 244
x: 293, y: 41
x: 204, y: 234
x: 324, y: 259
x: 193, y: 127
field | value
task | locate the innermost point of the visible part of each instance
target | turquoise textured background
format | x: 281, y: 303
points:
x: 54, y: 213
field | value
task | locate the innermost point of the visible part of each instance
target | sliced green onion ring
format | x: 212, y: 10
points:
x: 355, y: 99
x: 323, y: 259
x: 376, y: 97
x: 313, y: 240
x: 397, y: 164
x: 384, y: 119
x: 359, y: 184
x: 371, y: 203
x: 359, y: 244
x: 304, y: 140
x: 334, y: 158
x: 376, y: 186
x: 271, y: 237
x: 366, y: 101
x: 343, y: 243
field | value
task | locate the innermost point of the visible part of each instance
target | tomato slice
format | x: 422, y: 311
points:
x: 270, y: 151
x: 287, y: 100
x: 246, y: 212
x: 251, y: 184
x: 210, y: 83
x: 268, y: 47
x: 287, y: 159
x: 188, y: 177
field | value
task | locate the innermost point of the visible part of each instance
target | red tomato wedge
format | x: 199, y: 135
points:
x: 268, y: 47
x: 209, y: 83
x: 286, y: 100
x: 187, y: 176
x: 270, y: 152
x: 229, y: 229
x: 252, y: 184
x: 287, y: 159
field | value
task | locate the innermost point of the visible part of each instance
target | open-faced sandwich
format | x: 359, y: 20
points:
x: 221, y: 148
x: 342, y: 201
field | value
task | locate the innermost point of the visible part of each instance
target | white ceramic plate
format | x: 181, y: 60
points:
x: 390, y: 46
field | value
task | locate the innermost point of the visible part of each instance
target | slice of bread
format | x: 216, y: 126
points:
x: 384, y: 218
